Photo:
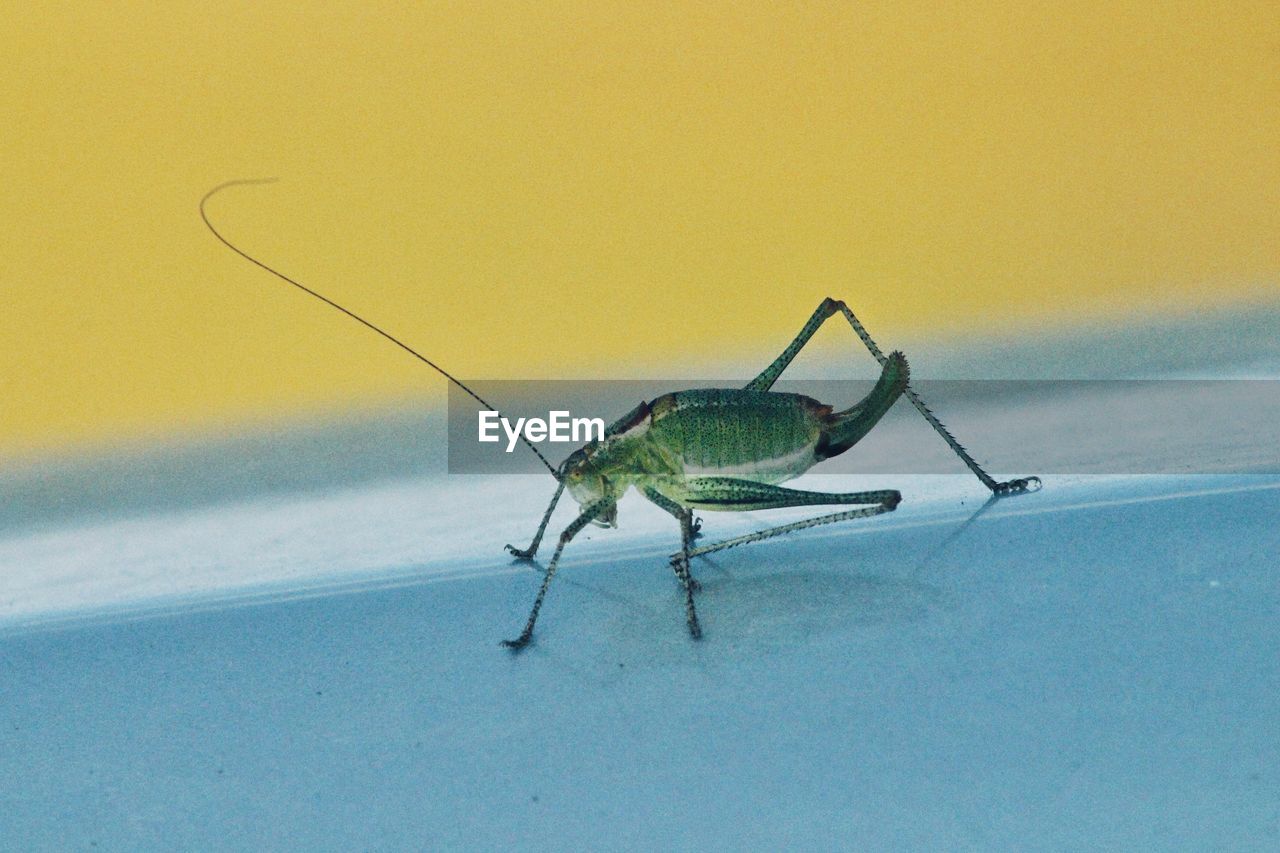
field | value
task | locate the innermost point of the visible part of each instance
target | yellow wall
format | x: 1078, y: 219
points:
x: 527, y: 189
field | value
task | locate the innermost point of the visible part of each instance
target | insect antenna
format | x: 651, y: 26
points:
x: 362, y: 321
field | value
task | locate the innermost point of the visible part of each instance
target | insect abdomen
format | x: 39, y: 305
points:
x: 762, y: 436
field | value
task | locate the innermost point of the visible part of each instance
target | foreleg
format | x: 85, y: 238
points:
x: 528, y: 553
x: 566, y: 537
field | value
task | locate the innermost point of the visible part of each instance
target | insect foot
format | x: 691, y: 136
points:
x: 518, y: 643
x: 520, y: 553
x: 1019, y: 486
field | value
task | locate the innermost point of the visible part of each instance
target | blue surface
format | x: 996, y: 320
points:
x: 1095, y: 665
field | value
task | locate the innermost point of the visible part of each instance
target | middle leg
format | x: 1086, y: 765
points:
x: 680, y: 562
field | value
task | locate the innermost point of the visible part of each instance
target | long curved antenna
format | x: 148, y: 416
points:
x: 326, y: 300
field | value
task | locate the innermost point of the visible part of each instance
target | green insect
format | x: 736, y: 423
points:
x: 711, y: 449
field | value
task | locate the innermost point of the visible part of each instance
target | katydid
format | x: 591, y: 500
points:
x: 710, y: 449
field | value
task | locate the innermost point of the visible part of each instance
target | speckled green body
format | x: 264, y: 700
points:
x: 678, y: 444
x: 755, y: 435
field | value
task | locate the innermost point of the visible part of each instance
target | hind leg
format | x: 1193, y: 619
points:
x: 726, y: 493
x: 829, y: 308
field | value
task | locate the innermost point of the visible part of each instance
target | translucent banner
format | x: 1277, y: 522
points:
x: 1015, y: 427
